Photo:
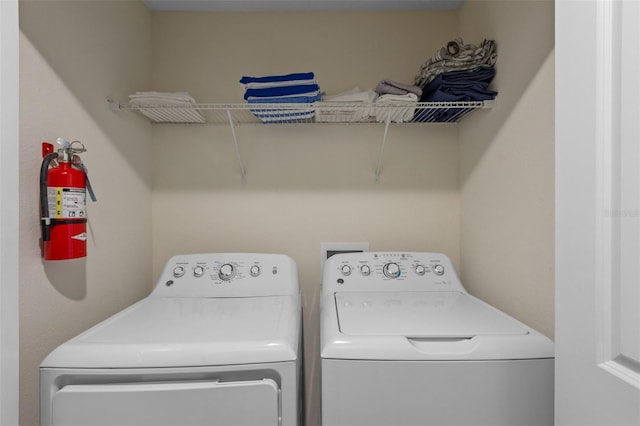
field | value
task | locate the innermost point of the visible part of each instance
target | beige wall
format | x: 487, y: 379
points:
x: 306, y: 184
x: 72, y: 55
x: 507, y: 165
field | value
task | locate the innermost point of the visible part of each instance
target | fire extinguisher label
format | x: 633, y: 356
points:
x: 81, y: 237
x: 67, y: 203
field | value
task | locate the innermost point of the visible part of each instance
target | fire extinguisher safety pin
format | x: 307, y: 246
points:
x: 73, y: 150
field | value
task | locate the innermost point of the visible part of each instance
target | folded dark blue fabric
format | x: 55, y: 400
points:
x: 460, y: 86
x: 484, y: 74
x: 278, y: 78
x: 281, y: 91
x: 463, y: 94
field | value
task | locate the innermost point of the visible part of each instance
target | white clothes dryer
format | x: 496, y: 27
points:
x: 403, y: 343
x: 217, y: 342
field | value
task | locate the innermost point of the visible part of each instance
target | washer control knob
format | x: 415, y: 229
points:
x: 198, y: 271
x: 438, y: 269
x: 346, y: 270
x: 420, y: 269
x: 178, y: 271
x: 254, y: 270
x: 391, y: 270
x: 365, y: 270
x: 227, y: 271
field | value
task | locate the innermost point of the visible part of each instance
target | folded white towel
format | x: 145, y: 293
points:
x: 353, y: 95
x: 161, y: 98
x: 152, y: 105
x: 400, y: 108
x: 351, y: 106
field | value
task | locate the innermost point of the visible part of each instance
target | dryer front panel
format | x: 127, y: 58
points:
x: 168, y: 404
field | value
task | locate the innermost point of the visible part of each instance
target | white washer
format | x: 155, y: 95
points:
x: 403, y: 343
x: 217, y: 342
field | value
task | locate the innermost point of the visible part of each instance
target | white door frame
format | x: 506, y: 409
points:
x: 9, y: 142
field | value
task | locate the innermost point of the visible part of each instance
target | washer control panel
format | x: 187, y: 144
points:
x: 390, y: 271
x: 228, y: 275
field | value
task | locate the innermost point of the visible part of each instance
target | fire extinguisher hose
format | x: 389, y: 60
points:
x: 44, y: 202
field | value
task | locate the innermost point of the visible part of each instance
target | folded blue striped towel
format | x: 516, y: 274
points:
x: 295, y: 88
x: 278, y: 78
x: 306, y: 98
x: 278, y: 84
x: 283, y: 114
x: 281, y: 91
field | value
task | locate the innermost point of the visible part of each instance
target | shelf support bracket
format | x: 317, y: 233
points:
x: 384, y: 141
x: 235, y: 143
x: 113, y: 105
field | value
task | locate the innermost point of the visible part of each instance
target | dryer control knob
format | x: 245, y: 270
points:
x: 391, y: 270
x: 227, y: 271
x: 438, y: 269
x: 365, y: 270
x: 346, y: 270
x: 254, y: 270
x: 420, y: 269
x: 178, y: 271
x: 198, y: 271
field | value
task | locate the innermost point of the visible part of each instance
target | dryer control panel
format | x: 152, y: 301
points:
x: 228, y: 275
x: 390, y: 271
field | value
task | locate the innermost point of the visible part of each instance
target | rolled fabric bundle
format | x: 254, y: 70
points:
x: 456, y: 56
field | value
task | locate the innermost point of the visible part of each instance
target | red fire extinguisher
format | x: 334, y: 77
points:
x: 63, y: 186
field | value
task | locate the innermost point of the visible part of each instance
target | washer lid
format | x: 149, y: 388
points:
x: 175, y: 332
x: 447, y: 314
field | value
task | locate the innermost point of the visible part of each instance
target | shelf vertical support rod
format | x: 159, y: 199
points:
x: 384, y: 141
x: 235, y: 143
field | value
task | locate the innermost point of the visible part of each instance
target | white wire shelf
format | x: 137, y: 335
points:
x: 318, y: 112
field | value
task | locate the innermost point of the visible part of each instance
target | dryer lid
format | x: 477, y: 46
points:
x: 448, y: 314
x: 177, y: 332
